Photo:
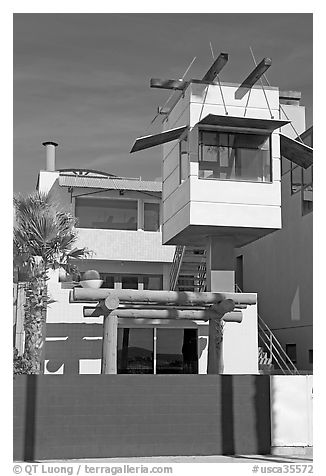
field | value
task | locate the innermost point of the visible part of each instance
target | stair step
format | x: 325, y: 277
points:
x: 193, y: 259
x: 195, y: 249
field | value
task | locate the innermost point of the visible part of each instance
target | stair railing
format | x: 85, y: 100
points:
x: 273, y: 346
x: 176, y: 265
x: 201, y: 276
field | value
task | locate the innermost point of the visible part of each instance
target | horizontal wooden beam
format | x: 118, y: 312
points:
x: 216, y: 67
x: 176, y: 84
x: 253, y: 77
x: 163, y: 297
x: 197, y: 315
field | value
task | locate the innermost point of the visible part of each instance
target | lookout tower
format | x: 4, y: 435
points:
x: 221, y: 165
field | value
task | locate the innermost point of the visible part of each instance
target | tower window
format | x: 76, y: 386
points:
x: 244, y: 157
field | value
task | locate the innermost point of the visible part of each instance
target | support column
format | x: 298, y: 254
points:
x: 220, y: 276
x: 220, y: 264
x: 215, y: 339
x: 110, y: 336
x: 109, y: 347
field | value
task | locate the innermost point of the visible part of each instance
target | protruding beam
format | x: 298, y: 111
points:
x: 176, y: 84
x: 157, y: 139
x: 165, y: 297
x: 216, y: 67
x: 295, y: 151
x: 253, y: 77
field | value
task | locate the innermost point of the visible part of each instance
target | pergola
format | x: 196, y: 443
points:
x: 112, y: 304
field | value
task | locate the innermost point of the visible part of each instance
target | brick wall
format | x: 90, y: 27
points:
x: 96, y: 416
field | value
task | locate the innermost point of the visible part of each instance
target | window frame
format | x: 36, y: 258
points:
x: 116, y: 199
x: 142, y: 221
x: 234, y: 133
x: 131, y: 324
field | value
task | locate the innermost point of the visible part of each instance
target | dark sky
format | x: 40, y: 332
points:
x: 83, y: 79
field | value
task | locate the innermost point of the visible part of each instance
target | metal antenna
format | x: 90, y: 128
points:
x: 210, y: 44
x: 268, y: 83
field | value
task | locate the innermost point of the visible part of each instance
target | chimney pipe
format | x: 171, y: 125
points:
x: 50, y: 155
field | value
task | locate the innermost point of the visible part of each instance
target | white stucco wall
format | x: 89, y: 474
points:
x: 291, y: 410
x: 124, y: 245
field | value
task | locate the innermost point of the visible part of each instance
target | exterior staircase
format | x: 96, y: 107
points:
x: 188, y: 273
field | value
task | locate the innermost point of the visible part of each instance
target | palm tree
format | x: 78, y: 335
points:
x: 44, y: 236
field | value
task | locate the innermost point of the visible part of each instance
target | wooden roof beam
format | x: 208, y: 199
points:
x: 253, y: 77
x: 216, y: 67
x: 176, y: 84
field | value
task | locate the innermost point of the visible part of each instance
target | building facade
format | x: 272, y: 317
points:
x: 232, y: 190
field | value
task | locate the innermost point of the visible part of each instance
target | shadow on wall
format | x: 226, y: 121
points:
x: 82, y: 341
x: 230, y: 414
x: 245, y: 422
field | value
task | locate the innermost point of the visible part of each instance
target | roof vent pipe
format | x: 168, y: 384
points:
x: 50, y: 155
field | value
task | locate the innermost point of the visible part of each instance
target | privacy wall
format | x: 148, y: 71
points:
x: 97, y: 416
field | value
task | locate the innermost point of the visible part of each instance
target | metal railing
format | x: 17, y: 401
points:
x: 176, y: 265
x: 271, y: 344
x: 199, y: 282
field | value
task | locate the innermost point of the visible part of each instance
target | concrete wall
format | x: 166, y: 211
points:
x: 211, y: 202
x: 291, y: 410
x: 95, y: 416
x: 279, y: 268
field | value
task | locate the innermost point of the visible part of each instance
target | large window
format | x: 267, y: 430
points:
x: 245, y: 157
x: 151, y: 216
x: 135, y: 351
x: 157, y: 351
x: 176, y: 351
x: 106, y: 213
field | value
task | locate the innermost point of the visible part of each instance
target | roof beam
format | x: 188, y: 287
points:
x: 253, y: 77
x: 176, y: 84
x: 295, y: 151
x: 216, y: 67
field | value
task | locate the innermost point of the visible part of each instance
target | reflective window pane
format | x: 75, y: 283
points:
x: 108, y: 280
x: 105, y: 213
x: 153, y: 282
x: 151, y: 216
x: 129, y: 282
x: 176, y: 351
x: 135, y: 351
x: 244, y: 157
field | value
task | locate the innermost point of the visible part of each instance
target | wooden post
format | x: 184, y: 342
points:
x: 109, y: 345
x: 215, y: 337
x: 110, y: 335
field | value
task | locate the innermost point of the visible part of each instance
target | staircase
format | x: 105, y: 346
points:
x: 188, y: 271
